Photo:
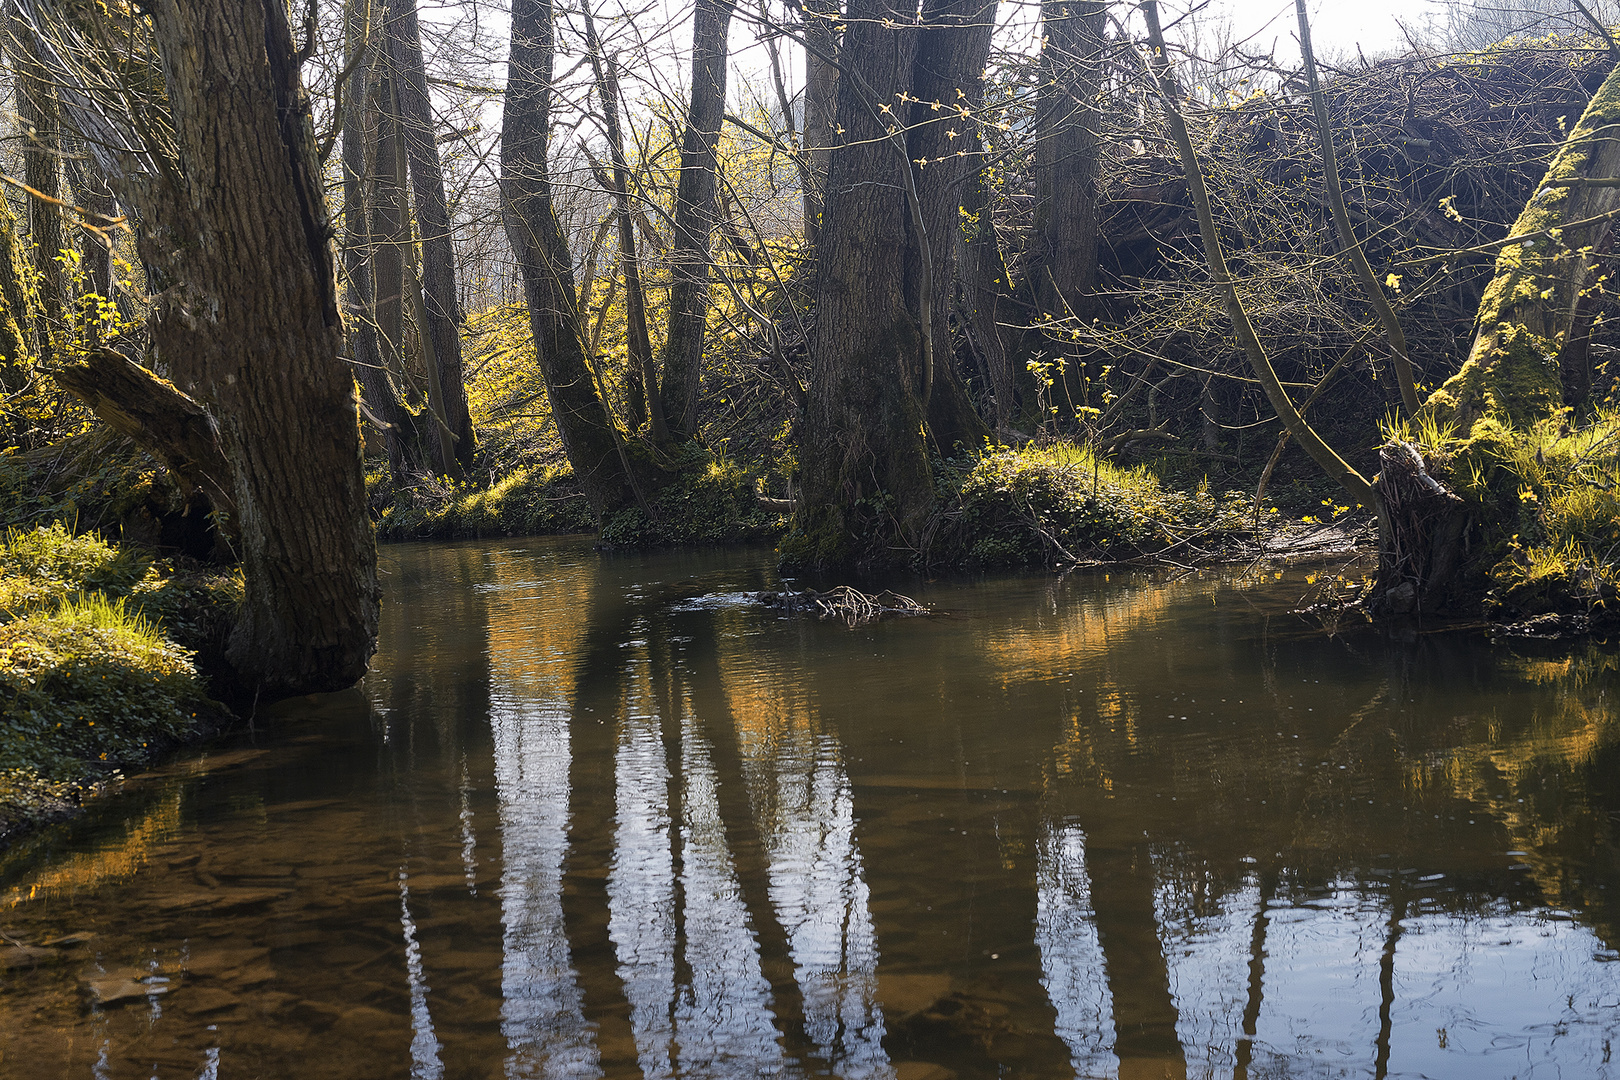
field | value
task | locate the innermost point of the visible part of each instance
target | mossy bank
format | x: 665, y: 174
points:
x: 99, y: 654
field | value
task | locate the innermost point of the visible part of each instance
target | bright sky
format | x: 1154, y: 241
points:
x: 1337, y: 26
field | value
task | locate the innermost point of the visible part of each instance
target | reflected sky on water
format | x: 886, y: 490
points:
x: 602, y: 816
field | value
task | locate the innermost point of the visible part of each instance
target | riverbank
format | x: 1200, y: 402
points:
x: 103, y: 654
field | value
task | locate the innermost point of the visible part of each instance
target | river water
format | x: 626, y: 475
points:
x: 600, y: 815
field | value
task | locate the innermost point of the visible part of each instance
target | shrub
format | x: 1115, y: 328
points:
x: 1041, y: 505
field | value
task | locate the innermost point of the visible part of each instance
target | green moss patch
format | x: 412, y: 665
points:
x: 1042, y: 506
x: 707, y: 500
x: 97, y: 667
x: 1544, y: 501
x: 533, y: 500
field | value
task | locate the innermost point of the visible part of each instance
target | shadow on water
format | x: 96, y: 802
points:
x: 602, y: 816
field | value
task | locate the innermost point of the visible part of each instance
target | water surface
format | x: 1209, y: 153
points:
x: 600, y: 816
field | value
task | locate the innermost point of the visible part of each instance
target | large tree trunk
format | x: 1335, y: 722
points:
x: 1061, y: 260
x: 694, y: 216
x: 1062, y: 264
x: 949, y: 70
x: 433, y: 224
x: 1512, y: 378
x: 867, y: 487
x: 390, y: 229
x: 236, y: 239
x: 588, y: 433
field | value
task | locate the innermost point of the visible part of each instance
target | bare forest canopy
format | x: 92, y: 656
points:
x: 826, y: 260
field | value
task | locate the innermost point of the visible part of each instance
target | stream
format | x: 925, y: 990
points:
x: 606, y: 815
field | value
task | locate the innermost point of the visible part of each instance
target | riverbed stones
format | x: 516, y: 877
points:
x: 922, y: 1070
x: 26, y: 956
x: 122, y: 986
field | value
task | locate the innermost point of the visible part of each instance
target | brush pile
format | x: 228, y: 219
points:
x: 847, y: 604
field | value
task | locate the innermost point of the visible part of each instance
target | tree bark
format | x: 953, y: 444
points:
x: 16, y: 316
x: 588, y: 433
x: 867, y: 487
x: 390, y: 229
x: 949, y: 72
x: 694, y: 216
x: 92, y: 193
x: 235, y: 235
x: 432, y: 222
x: 40, y: 117
x: 1063, y: 256
x: 363, y: 32
x: 984, y: 280
x: 820, y: 105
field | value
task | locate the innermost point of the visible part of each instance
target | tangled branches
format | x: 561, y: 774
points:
x: 849, y: 604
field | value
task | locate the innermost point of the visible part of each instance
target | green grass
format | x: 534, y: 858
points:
x: 1016, y: 507
x: 532, y: 500
x: 91, y: 683
x: 1547, y: 501
x: 92, y: 673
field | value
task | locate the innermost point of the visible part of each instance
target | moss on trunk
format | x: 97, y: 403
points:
x: 1470, y: 483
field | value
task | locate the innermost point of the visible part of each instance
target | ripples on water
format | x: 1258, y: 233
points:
x: 601, y: 816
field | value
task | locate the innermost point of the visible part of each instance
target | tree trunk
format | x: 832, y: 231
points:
x: 867, y: 488
x: 694, y: 216
x: 92, y: 193
x: 1061, y: 260
x: 617, y: 182
x: 390, y: 230
x: 235, y: 235
x: 984, y: 281
x: 1062, y: 264
x: 1526, y: 314
x: 820, y: 105
x: 1512, y: 378
x: 380, y: 395
x: 949, y: 71
x: 40, y: 117
x: 432, y: 222
x: 541, y: 250
x: 16, y: 315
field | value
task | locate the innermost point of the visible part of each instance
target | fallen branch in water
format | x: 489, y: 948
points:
x: 849, y: 604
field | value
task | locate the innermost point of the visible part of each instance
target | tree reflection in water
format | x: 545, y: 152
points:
x: 1086, y: 828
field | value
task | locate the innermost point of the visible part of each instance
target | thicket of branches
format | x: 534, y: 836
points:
x: 1440, y: 150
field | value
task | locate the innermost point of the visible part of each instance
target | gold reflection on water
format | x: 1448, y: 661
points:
x: 535, y: 628
x: 114, y: 862
x: 1081, y: 629
x: 1505, y: 773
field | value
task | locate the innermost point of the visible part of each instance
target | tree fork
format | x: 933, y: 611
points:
x: 163, y: 420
